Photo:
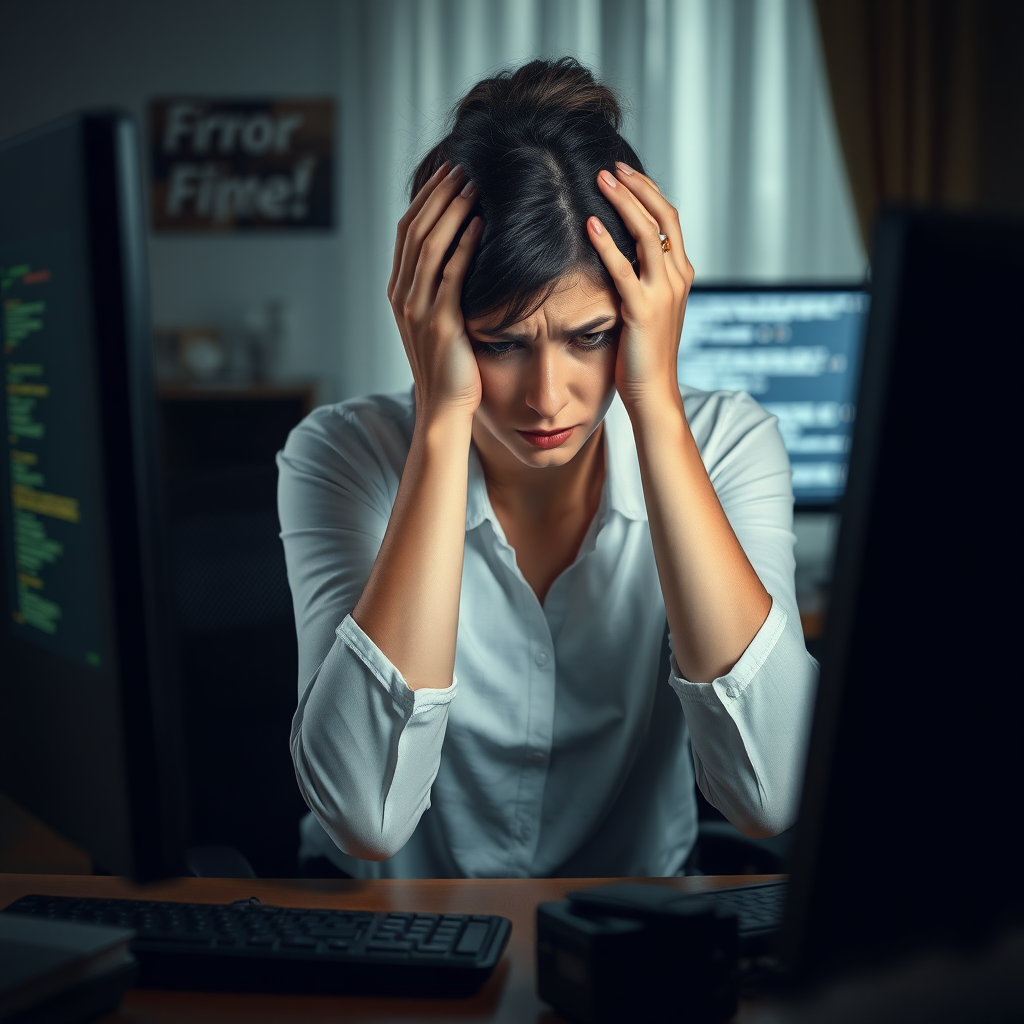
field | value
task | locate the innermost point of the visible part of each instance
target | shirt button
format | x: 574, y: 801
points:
x: 730, y: 692
x: 537, y: 757
x: 541, y: 657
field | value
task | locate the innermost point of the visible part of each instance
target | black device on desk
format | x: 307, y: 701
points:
x: 913, y: 773
x: 89, y: 738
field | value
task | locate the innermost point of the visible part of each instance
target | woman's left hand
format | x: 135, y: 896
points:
x: 653, y: 305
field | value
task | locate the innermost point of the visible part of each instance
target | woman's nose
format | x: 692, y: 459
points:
x: 547, y: 392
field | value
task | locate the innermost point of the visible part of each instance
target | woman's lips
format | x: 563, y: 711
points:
x: 545, y: 440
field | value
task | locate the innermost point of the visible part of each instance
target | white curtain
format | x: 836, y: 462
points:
x: 726, y: 101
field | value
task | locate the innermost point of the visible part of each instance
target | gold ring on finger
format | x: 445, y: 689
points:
x: 666, y: 243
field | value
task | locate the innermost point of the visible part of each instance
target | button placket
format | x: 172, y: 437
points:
x: 537, y: 739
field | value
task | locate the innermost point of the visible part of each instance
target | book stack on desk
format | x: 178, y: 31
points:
x: 61, y: 970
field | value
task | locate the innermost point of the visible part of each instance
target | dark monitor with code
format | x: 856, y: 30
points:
x: 87, y: 721
x: 794, y: 348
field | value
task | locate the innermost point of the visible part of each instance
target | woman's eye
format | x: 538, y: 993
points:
x: 587, y: 342
x: 599, y: 339
x: 494, y: 348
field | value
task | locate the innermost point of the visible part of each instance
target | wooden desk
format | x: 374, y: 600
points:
x: 509, y: 996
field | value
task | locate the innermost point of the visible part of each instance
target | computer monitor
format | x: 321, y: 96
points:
x: 88, y: 738
x: 794, y: 348
x: 909, y: 832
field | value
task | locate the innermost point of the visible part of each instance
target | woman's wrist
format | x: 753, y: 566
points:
x: 653, y: 406
x: 443, y: 427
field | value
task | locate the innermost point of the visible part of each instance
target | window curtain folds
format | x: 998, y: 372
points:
x: 904, y: 83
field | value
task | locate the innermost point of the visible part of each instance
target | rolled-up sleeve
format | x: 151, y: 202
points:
x: 366, y: 748
x: 749, y: 729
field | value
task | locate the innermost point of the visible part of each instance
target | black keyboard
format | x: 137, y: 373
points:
x: 758, y: 908
x: 251, y: 946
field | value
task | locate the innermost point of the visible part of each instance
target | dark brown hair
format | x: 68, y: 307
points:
x: 533, y: 140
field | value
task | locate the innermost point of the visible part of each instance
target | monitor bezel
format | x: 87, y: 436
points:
x: 107, y: 149
x: 911, y: 249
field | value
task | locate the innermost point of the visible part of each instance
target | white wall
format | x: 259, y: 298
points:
x: 62, y: 55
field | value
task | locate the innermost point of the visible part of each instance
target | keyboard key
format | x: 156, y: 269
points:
x: 472, y: 938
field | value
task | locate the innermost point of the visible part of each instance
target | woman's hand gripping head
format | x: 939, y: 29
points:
x: 425, y: 293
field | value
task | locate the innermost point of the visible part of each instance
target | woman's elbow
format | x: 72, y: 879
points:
x: 357, y: 824
x: 766, y: 817
x: 366, y: 847
x: 762, y: 826
x: 356, y: 831
x: 360, y: 837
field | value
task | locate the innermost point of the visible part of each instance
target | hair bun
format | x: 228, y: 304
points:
x: 563, y: 87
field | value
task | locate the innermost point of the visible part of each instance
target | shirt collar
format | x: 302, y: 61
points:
x: 623, y: 490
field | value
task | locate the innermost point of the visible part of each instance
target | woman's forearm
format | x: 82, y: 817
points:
x: 714, y: 600
x: 410, y: 604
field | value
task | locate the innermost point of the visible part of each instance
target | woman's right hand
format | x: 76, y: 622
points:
x: 427, y: 302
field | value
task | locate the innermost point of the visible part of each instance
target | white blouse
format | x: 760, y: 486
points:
x: 568, y: 742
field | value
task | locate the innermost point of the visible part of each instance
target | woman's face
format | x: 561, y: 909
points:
x: 552, y: 372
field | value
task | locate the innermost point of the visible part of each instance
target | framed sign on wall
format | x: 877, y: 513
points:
x: 227, y: 165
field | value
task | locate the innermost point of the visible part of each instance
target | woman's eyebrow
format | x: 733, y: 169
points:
x: 522, y: 336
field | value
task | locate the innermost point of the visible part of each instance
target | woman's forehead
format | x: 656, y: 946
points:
x: 574, y: 299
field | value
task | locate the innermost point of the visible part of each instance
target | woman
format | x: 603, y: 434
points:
x: 483, y: 569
